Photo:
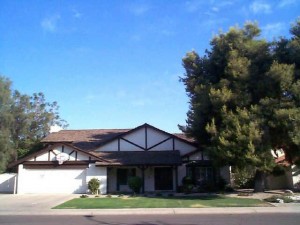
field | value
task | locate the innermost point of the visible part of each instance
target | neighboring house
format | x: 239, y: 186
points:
x: 290, y: 179
x: 71, y: 158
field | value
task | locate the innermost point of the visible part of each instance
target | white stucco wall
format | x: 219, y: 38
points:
x: 181, y: 173
x: 155, y: 137
x: 7, y: 182
x: 296, y: 176
x: 183, y: 147
x: 225, y: 173
x: 196, y: 156
x: 57, y: 150
x: 99, y: 173
x: 51, y: 180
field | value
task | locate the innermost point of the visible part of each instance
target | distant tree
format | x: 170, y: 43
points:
x: 24, y: 121
x: 6, y: 146
x: 33, y: 118
x: 245, y: 99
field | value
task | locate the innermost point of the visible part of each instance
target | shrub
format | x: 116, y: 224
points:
x: 135, y: 184
x: 244, y: 178
x: 84, y: 196
x: 94, y: 185
x: 277, y: 198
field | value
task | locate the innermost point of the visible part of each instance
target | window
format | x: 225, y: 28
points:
x: 123, y: 175
x: 200, y: 175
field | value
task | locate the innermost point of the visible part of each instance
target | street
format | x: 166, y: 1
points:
x: 202, y: 219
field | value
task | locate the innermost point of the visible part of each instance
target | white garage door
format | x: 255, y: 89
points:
x: 52, y: 181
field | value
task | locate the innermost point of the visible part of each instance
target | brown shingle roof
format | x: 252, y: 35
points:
x: 134, y: 158
x: 184, y: 137
x: 84, y: 139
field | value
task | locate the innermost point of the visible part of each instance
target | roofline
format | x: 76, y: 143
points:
x: 145, y: 125
x: 50, y: 147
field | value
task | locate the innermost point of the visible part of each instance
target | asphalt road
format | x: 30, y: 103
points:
x: 203, y: 219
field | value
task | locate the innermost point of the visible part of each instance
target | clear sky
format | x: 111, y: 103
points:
x: 116, y: 64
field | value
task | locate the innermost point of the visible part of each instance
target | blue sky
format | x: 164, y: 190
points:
x: 116, y: 64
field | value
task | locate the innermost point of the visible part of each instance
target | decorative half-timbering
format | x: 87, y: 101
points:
x: 70, y: 158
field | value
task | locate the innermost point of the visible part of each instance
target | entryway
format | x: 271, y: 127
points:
x: 163, y: 178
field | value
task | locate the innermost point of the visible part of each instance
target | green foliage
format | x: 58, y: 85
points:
x: 135, y: 183
x: 244, y: 177
x: 6, y: 146
x: 278, y: 199
x: 245, y: 98
x: 24, y: 121
x: 94, y: 185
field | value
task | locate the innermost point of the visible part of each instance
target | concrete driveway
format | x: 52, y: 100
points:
x: 34, y: 203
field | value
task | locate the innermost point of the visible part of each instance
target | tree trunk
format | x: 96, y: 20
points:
x: 259, y: 181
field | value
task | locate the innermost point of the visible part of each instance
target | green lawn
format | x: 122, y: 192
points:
x: 159, y: 202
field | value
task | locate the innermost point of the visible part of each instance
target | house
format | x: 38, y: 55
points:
x: 289, y: 178
x: 70, y: 158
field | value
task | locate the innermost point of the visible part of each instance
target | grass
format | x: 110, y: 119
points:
x: 159, y: 202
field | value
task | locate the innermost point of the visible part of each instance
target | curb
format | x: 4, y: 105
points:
x: 158, y: 211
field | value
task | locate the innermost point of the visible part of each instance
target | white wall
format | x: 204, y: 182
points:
x: 7, y: 182
x: 99, y: 173
x: 226, y: 174
x: 57, y: 150
x: 154, y: 137
x: 296, y: 177
x: 51, y: 180
x: 181, y: 173
x: 183, y: 147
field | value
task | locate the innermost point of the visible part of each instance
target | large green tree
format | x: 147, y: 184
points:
x: 24, y: 121
x: 6, y: 147
x: 244, y: 98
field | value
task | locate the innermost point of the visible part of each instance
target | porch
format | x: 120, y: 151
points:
x: 157, y: 169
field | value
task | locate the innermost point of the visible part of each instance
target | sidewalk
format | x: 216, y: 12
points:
x: 42, y: 204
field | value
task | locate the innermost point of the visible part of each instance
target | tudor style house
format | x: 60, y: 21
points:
x: 70, y: 158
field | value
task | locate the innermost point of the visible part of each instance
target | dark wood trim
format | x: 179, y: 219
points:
x: 119, y: 144
x: 173, y: 143
x: 146, y: 138
x: 159, y: 143
x: 176, y: 177
x: 34, y: 158
x: 53, y: 152
x: 130, y: 142
x: 55, y: 162
x: 49, y: 155
x: 71, y: 152
x: 55, y: 166
x: 143, y: 180
x: 76, y: 156
x: 62, y: 148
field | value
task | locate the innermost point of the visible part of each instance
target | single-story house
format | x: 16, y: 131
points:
x: 70, y: 158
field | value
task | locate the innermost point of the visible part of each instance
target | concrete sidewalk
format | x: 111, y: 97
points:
x: 41, y: 205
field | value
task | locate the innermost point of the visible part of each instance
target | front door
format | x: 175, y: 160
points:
x: 163, y: 178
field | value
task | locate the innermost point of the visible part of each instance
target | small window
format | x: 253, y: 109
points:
x: 200, y: 175
x: 124, y: 174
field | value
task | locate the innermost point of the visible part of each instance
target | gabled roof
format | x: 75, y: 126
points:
x: 50, y: 147
x: 89, y: 140
x: 85, y: 139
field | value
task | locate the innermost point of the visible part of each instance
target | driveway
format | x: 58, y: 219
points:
x: 31, y: 202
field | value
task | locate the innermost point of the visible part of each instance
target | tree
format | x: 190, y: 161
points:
x: 6, y: 146
x: 33, y: 117
x: 244, y: 99
x: 24, y: 121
